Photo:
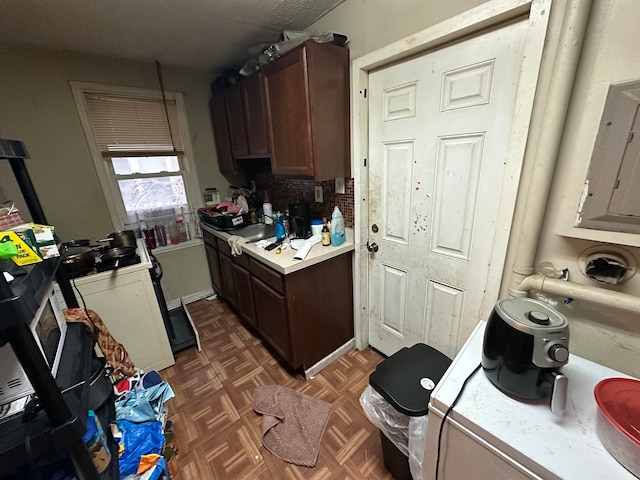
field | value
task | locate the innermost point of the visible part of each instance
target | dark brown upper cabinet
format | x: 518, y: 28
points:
x: 307, y: 104
x: 254, y: 116
x: 235, y: 119
x: 221, y: 131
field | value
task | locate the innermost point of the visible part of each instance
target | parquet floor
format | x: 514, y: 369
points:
x: 219, y: 434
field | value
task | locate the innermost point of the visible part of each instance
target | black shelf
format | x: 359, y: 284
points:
x: 73, y: 370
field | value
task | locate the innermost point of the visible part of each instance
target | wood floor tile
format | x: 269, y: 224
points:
x: 219, y: 434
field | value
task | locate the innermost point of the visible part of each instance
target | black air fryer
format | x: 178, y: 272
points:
x: 525, y: 344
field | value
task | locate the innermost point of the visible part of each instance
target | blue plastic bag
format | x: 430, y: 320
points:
x: 138, y: 439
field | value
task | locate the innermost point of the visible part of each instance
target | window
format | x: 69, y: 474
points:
x: 137, y: 140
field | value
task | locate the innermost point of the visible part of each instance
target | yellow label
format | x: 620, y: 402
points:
x: 26, y: 254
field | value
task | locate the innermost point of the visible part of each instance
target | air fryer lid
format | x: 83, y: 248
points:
x: 530, y: 316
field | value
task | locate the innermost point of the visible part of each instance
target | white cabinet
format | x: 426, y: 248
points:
x: 126, y: 302
x: 491, y: 435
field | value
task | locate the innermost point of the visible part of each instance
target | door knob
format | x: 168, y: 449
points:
x: 373, y: 247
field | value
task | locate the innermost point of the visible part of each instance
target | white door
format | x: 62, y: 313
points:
x: 439, y: 130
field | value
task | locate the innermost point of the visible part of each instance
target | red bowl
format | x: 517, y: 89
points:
x: 618, y: 422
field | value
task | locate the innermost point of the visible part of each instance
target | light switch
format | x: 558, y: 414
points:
x: 318, y: 191
x: 340, y: 185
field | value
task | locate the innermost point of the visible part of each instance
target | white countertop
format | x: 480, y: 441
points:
x: 284, y: 262
x: 565, y: 447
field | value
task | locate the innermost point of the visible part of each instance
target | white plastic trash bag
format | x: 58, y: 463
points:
x: 407, y: 433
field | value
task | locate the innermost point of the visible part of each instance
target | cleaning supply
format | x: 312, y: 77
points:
x: 337, y: 228
x: 280, y: 232
x: 267, y: 210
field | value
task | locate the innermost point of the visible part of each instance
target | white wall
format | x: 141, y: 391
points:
x: 609, y: 55
x: 38, y: 109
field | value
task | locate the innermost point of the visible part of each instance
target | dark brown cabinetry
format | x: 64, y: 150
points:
x: 254, y: 115
x: 218, y: 113
x: 235, y: 118
x: 211, y: 251
x: 307, y: 105
x: 304, y: 316
x: 245, y: 118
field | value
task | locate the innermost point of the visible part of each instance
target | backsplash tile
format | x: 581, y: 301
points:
x: 285, y: 190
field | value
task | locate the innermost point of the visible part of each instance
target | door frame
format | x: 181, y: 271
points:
x: 471, y: 22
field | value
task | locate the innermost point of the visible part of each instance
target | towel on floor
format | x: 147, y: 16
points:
x: 293, y: 423
x: 235, y: 242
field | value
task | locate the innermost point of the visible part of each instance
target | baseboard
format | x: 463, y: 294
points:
x: 189, y: 299
x: 313, y: 370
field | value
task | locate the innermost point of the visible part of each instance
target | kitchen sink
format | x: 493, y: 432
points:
x: 253, y: 233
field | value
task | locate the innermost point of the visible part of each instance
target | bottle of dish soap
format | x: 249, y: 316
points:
x: 337, y: 228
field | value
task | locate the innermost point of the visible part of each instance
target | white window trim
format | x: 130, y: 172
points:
x: 109, y: 188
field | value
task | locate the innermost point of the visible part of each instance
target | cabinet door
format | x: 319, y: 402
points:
x: 245, y: 304
x: 235, y: 118
x: 218, y: 113
x: 229, y: 287
x: 254, y: 112
x: 289, y: 114
x: 271, y: 313
x: 214, y: 267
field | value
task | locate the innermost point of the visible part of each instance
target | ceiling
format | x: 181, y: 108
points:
x: 204, y: 34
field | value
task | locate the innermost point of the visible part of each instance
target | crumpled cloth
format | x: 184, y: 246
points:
x: 235, y: 242
x: 113, y: 351
x: 293, y: 423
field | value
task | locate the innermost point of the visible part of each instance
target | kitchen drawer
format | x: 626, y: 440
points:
x: 224, y: 247
x: 210, y: 239
x: 242, y: 260
x: 267, y: 275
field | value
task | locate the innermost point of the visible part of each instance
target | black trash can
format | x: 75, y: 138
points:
x: 406, y: 380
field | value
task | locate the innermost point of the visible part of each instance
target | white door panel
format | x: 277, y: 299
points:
x: 439, y: 129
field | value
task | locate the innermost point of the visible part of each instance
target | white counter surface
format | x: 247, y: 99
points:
x: 551, y: 447
x: 284, y: 262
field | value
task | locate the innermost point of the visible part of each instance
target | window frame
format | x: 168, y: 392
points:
x: 107, y: 178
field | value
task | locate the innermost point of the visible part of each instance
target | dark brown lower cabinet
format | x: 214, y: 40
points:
x: 272, y: 318
x: 226, y: 272
x: 214, y: 263
x: 304, y: 316
x: 244, y: 295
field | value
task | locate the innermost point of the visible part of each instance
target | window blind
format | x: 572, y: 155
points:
x: 133, y: 126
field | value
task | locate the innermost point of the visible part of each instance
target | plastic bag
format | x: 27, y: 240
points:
x: 144, y: 405
x: 408, y: 434
x: 138, y: 439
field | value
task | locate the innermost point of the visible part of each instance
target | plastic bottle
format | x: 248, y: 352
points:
x: 182, y: 230
x: 337, y: 228
x: 279, y: 226
x: 326, y: 234
x: 267, y: 210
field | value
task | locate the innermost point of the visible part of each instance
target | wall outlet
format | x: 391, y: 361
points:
x: 318, y: 191
x: 340, y: 185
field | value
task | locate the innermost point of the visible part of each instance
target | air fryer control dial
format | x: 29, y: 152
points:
x: 559, y: 353
x: 539, y: 318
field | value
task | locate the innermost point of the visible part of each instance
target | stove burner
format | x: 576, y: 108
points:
x: 124, y: 262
